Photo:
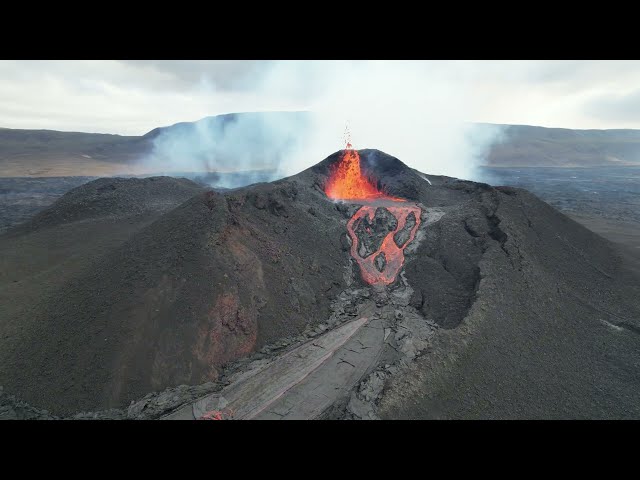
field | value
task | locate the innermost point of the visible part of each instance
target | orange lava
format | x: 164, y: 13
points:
x: 347, y: 182
x: 217, y: 415
x: 393, y: 254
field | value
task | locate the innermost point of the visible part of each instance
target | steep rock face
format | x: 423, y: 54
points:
x: 550, y: 331
x: 501, y: 273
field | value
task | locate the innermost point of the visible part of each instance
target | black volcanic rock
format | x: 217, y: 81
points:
x: 402, y: 236
x: 392, y: 176
x: 542, y: 334
x: 536, y: 316
x: 372, y: 231
x: 113, y: 197
x: 212, y: 280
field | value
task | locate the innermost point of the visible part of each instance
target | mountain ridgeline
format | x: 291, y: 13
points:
x: 211, y: 141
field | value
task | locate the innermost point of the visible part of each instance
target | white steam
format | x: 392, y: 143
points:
x: 419, y: 112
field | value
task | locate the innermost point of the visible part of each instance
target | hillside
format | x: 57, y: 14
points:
x: 504, y: 307
x: 526, y: 146
x: 42, y: 153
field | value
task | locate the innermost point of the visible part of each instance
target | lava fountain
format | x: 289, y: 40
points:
x: 348, y: 182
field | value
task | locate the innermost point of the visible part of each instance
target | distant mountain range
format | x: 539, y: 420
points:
x: 526, y: 146
x: 41, y: 153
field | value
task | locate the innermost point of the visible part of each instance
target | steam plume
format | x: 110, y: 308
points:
x: 419, y: 112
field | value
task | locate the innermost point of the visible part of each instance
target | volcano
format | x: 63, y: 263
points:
x: 347, y: 182
x: 432, y: 297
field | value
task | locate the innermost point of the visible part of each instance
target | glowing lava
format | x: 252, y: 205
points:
x: 347, y: 182
x: 393, y: 254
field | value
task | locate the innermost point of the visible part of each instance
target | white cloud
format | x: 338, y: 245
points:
x: 132, y: 97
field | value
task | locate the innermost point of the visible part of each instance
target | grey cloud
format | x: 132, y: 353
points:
x: 135, y: 96
x: 222, y: 74
x: 617, y: 109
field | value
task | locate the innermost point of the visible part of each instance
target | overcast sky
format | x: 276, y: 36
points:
x: 133, y: 97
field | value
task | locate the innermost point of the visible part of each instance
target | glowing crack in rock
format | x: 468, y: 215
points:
x: 347, y: 182
x: 217, y: 415
x: 393, y: 254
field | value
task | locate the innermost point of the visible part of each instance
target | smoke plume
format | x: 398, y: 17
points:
x: 419, y: 112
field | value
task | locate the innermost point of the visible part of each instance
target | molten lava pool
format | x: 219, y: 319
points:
x: 376, y: 244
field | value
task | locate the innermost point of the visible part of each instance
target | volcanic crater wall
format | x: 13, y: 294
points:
x: 208, y: 282
x: 223, y: 274
x: 546, y: 334
x: 444, y: 271
x: 459, y: 224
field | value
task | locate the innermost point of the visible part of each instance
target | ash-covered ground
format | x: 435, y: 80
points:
x: 607, y: 192
x: 23, y: 197
x: 505, y: 308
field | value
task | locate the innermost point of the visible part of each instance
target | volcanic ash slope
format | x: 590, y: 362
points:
x: 536, y: 316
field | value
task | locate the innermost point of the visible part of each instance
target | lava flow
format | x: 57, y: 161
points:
x: 347, y: 182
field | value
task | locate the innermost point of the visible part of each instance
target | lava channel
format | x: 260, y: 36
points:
x: 347, y: 182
